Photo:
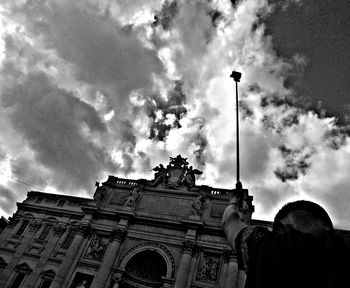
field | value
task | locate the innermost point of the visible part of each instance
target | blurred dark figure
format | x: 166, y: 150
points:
x: 301, y: 251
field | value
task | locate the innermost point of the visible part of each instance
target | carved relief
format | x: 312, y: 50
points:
x: 208, y: 269
x: 96, y: 248
x: 133, y: 198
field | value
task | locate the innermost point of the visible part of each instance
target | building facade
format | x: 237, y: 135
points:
x: 164, y: 232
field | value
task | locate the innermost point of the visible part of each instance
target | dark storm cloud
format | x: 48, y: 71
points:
x: 296, y: 163
x: 7, y: 199
x: 172, y: 107
x: 165, y: 16
x: 29, y: 172
x: 103, y: 53
x: 54, y: 124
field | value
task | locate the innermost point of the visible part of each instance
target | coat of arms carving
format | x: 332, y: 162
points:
x: 176, y: 174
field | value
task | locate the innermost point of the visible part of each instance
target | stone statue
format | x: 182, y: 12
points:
x: 99, y: 194
x: 190, y: 177
x: 161, y: 174
x: 132, y: 198
x: 82, y: 284
x: 197, y: 206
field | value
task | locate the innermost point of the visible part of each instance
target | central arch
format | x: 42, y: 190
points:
x: 148, y: 253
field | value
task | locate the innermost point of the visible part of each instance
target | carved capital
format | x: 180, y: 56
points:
x: 34, y: 226
x: 227, y: 253
x: 189, y: 246
x: 84, y: 229
x: 58, y: 230
x: 119, y: 234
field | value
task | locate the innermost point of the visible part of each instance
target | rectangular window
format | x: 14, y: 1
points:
x: 69, y: 238
x: 45, y: 284
x: 18, y: 280
x: 45, y: 232
x: 22, y: 227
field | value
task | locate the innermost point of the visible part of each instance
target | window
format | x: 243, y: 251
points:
x: 21, y: 271
x: 45, y: 284
x: 82, y: 280
x: 18, y: 280
x: 69, y: 238
x: 45, y: 232
x: 47, y: 278
x: 22, y: 227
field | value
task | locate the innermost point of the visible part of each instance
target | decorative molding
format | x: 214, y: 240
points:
x: 48, y: 274
x: 23, y: 268
x: 153, y: 246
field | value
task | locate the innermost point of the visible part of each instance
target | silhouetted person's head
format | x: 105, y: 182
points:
x: 304, y: 216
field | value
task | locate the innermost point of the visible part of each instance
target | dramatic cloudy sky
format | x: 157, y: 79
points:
x: 98, y: 87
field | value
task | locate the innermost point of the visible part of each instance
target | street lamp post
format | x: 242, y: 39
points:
x: 237, y: 77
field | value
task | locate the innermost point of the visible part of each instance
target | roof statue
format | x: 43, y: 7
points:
x: 176, y: 175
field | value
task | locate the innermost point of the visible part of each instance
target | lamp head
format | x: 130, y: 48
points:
x: 236, y: 76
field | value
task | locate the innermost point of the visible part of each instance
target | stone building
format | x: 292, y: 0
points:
x: 163, y: 232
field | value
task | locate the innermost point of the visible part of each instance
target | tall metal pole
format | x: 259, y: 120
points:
x: 237, y: 77
x: 237, y: 133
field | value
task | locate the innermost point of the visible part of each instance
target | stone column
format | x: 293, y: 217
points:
x: 82, y: 231
x: 195, y: 253
x: 22, y: 245
x: 241, y: 279
x: 232, y: 272
x: 100, y: 280
x: 226, y: 257
x: 182, y: 271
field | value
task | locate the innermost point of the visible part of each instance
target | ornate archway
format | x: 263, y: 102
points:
x: 145, y: 265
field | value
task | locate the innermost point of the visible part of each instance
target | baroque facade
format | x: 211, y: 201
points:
x: 165, y: 232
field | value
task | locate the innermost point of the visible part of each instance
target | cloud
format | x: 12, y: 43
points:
x: 96, y: 87
x: 59, y: 129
